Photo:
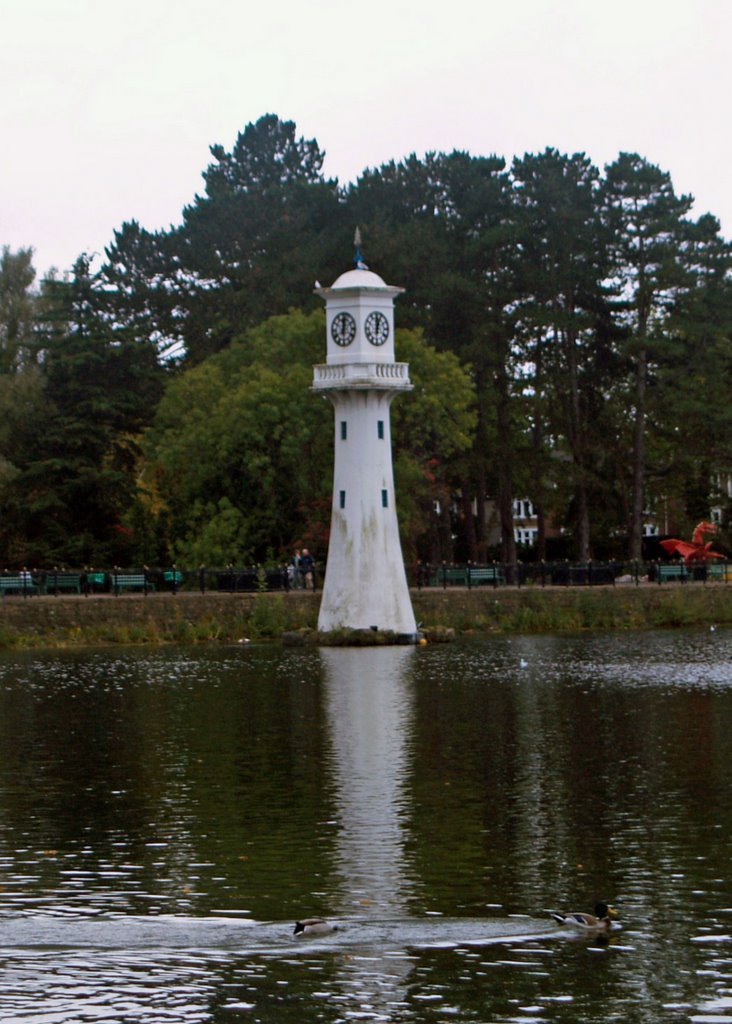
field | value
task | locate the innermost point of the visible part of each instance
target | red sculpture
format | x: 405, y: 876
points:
x: 697, y: 550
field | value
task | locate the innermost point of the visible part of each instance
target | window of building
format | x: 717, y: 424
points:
x: 344, y: 430
x: 342, y: 499
x: 523, y: 509
x: 384, y: 499
x: 380, y: 429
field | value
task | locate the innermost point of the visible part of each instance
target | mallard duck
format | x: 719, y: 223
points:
x: 314, y: 926
x: 599, y: 921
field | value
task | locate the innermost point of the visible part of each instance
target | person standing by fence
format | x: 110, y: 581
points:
x: 294, y: 578
x: 307, y: 569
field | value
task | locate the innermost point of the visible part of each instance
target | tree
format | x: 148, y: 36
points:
x: 432, y: 428
x: 144, y: 289
x: 75, y: 483
x: 247, y: 249
x: 689, y: 430
x: 587, y: 319
x: 238, y: 446
x: 22, y: 409
x: 443, y: 227
x: 405, y: 210
x: 23, y: 419
x: 241, y: 450
x: 645, y: 221
x: 563, y: 319
x: 18, y: 309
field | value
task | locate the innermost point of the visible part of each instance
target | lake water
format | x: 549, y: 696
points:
x: 166, y: 815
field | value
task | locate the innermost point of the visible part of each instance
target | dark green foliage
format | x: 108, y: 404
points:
x: 146, y: 288
x: 236, y: 453
x: 645, y: 245
x: 19, y: 310
x: 240, y: 455
x: 562, y: 324
x: 73, y: 480
x: 247, y: 249
x: 578, y: 326
x: 443, y: 226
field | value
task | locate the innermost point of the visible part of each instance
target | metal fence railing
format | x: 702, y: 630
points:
x: 145, y: 580
x: 259, y: 578
x: 569, y: 574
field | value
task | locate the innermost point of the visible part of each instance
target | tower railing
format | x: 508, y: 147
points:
x: 330, y: 375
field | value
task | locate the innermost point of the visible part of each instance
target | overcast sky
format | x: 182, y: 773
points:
x: 108, y: 109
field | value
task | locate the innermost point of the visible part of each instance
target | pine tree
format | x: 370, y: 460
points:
x: 645, y: 222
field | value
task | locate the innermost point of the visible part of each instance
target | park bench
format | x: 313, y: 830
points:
x: 130, y: 581
x: 720, y: 573
x: 66, y: 581
x: 672, y: 571
x: 467, y: 576
x: 484, y: 575
x: 96, y: 582
x: 449, y: 576
x: 172, y: 579
x: 22, y: 584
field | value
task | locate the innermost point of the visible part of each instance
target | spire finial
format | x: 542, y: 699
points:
x: 358, y: 258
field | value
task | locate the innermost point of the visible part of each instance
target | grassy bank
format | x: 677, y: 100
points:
x: 72, y: 621
x: 229, y: 618
x: 562, y: 610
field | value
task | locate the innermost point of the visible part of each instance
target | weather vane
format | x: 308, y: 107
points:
x: 358, y: 258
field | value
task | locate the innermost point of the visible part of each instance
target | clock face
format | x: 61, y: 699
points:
x: 343, y: 329
x: 377, y: 328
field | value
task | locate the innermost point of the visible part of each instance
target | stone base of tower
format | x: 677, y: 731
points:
x: 364, y: 638
x: 393, y: 624
x: 365, y: 586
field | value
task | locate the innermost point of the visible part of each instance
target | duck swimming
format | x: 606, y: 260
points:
x: 314, y: 926
x: 601, y: 920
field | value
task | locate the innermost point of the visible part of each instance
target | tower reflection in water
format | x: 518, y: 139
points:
x: 370, y: 714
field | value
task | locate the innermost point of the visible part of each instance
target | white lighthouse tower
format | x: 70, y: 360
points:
x: 365, y: 582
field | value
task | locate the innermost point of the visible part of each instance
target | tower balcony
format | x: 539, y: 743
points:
x: 347, y: 376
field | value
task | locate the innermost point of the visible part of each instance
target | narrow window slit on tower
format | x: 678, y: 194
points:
x: 344, y: 430
x: 380, y: 429
x: 384, y: 499
x: 342, y: 499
